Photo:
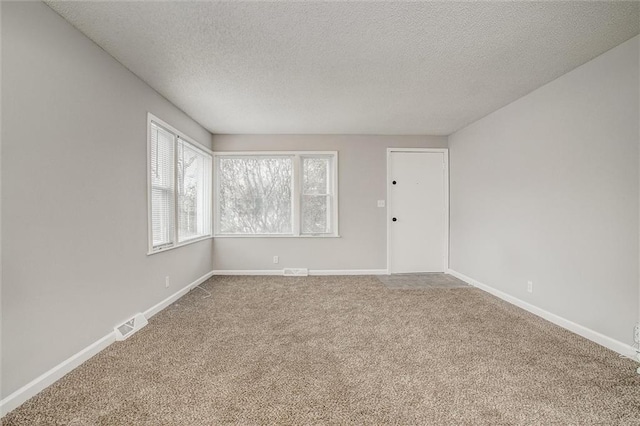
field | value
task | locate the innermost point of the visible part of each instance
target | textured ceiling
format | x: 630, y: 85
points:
x: 347, y: 67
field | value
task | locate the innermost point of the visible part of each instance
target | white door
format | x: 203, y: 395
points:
x: 417, y: 212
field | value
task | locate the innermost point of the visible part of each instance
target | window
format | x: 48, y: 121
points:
x: 179, y: 188
x: 276, y: 194
x: 162, y: 187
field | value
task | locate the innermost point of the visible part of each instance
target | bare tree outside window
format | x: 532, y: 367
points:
x: 316, y: 196
x: 179, y: 185
x: 290, y: 193
x: 193, y: 184
x: 255, y: 195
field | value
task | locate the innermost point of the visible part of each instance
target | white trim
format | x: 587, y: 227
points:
x: 243, y: 154
x: 348, y: 272
x: 311, y: 272
x: 275, y: 236
x: 182, y: 244
x: 45, y: 380
x: 587, y: 333
x: 445, y: 152
x: 149, y: 221
x: 248, y: 272
x: 335, y: 223
x: 176, y: 243
x: 177, y: 295
x: 48, y: 378
x: 296, y: 191
x: 151, y: 117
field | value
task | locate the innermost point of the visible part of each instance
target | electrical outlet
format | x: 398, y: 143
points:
x: 636, y: 333
x: 166, y: 281
x: 530, y: 286
x: 381, y: 203
x: 276, y: 259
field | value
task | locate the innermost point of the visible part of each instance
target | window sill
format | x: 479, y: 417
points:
x: 275, y: 236
x: 182, y: 244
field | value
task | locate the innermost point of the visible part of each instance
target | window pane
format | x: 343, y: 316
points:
x: 161, y: 157
x: 316, y: 195
x: 255, y: 195
x: 194, y: 193
x: 315, y: 214
x: 315, y: 175
x: 161, y: 200
x: 162, y: 188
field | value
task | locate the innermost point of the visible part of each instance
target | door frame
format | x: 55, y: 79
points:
x: 445, y: 152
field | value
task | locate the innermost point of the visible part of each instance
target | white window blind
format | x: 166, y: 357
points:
x: 180, y: 174
x: 162, y: 186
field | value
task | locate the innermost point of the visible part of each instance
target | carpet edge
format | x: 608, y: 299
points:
x: 592, y: 335
x: 46, y: 379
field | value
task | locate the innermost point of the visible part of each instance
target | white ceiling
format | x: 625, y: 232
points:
x: 347, y: 67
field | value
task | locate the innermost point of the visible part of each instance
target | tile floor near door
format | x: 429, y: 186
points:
x: 421, y: 281
x: 338, y: 350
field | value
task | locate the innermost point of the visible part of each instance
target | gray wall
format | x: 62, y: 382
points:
x: 546, y: 189
x: 74, y: 210
x: 362, y: 181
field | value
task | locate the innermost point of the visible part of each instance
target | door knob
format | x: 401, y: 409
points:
x: 394, y: 219
x: 394, y: 182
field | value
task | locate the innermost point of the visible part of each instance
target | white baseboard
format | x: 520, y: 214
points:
x: 587, y: 333
x: 177, y: 295
x: 45, y: 380
x: 348, y: 272
x: 311, y: 272
x: 248, y: 272
x: 48, y: 378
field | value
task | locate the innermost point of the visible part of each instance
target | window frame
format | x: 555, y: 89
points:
x: 168, y: 190
x: 297, y: 188
x: 177, y: 136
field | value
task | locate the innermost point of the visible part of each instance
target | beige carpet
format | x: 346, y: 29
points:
x: 339, y: 350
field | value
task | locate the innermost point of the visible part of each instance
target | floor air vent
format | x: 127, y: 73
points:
x: 126, y: 329
x: 295, y: 272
